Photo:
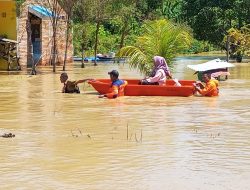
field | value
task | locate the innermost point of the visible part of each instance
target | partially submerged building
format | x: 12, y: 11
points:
x: 216, y: 68
x: 8, y: 35
x: 35, y: 35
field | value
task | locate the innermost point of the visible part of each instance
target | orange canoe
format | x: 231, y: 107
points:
x: 134, y: 89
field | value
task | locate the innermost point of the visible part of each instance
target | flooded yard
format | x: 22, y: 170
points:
x: 78, y: 141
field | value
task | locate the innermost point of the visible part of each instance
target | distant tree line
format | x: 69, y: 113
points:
x: 101, y: 26
x: 210, y: 20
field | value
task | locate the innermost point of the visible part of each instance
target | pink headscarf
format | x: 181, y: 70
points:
x: 160, y: 63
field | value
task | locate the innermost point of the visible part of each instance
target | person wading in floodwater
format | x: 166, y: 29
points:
x: 70, y: 86
x: 117, y: 86
x: 211, y: 87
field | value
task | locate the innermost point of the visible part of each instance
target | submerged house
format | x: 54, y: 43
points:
x: 8, y: 19
x: 35, y: 35
x: 216, y: 68
x: 8, y: 34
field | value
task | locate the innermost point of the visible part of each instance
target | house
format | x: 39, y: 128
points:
x: 216, y: 68
x: 8, y: 32
x: 35, y: 35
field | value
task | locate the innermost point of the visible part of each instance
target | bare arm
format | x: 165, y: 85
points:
x: 169, y: 75
x: 64, y: 88
x: 82, y: 81
x: 155, y: 78
x: 199, y: 84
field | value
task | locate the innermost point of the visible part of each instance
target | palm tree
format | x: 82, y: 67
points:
x: 160, y: 37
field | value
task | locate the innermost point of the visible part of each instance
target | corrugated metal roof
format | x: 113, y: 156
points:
x: 40, y: 11
x: 210, y: 65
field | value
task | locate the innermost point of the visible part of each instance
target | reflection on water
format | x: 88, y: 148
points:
x: 77, y: 141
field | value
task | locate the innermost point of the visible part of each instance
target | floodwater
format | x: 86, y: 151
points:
x: 78, y: 141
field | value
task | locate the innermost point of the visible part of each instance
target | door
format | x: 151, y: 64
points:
x: 36, y: 42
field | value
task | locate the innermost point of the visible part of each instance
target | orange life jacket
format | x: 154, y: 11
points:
x: 117, y: 89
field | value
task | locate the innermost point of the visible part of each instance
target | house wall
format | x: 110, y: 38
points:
x: 8, y: 19
x: 46, y: 36
x: 7, y: 24
x: 22, y: 35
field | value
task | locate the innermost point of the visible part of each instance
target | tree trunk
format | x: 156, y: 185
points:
x: 54, y: 44
x: 83, y: 65
x: 53, y: 60
x: 227, y: 44
x: 124, y: 33
x: 96, y: 40
x: 239, y: 58
x: 67, y: 43
x: 54, y: 20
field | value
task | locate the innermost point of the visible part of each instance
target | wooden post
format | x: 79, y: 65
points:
x: 8, y: 54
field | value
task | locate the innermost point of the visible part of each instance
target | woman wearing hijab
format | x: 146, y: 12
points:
x: 159, y: 74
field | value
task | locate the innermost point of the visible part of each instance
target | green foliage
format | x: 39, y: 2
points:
x: 107, y: 41
x: 83, y: 38
x: 160, y: 37
x: 147, y: 8
x: 114, y: 29
x: 239, y: 42
x: 170, y: 9
x: 3, y: 36
x: 210, y: 20
x: 208, y: 25
x: 18, y: 6
x: 84, y: 35
x: 119, y: 29
x: 121, y: 20
x: 199, y: 47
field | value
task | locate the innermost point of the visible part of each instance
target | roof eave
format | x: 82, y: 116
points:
x: 38, y: 14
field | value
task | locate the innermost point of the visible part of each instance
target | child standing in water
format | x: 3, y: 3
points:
x: 70, y: 86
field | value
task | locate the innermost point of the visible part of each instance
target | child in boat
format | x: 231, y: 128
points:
x: 70, y: 86
x: 117, y: 86
x: 159, y: 74
x: 211, y: 87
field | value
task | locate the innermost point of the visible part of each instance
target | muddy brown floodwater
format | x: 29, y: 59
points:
x: 78, y: 141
